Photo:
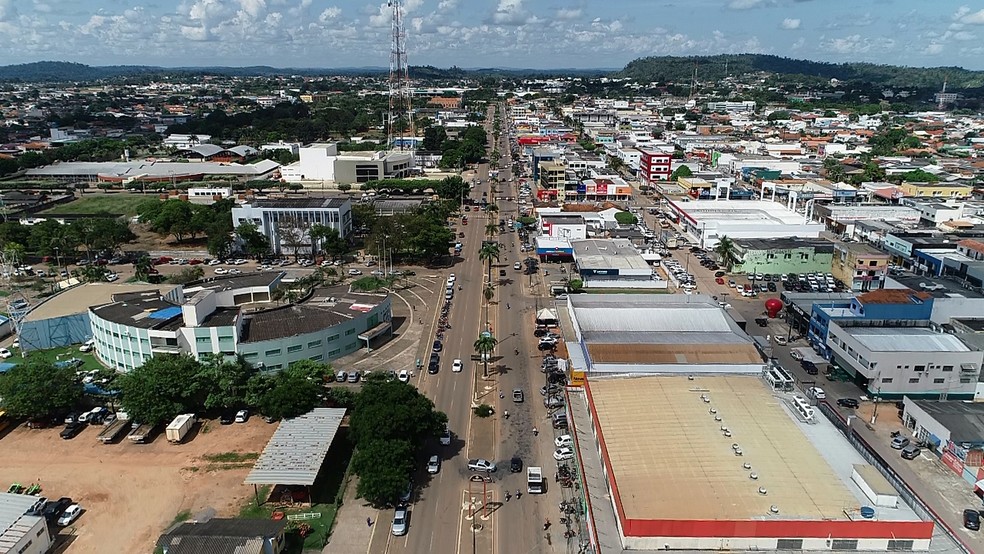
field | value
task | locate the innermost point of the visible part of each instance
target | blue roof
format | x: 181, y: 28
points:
x: 166, y: 313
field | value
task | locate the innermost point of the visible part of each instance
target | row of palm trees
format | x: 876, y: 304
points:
x: 489, y: 252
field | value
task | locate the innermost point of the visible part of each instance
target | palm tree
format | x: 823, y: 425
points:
x: 725, y: 250
x: 489, y: 293
x: 491, y: 229
x: 491, y: 209
x: 489, y: 252
x: 484, y: 346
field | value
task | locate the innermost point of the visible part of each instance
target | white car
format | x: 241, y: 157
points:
x: 242, y: 416
x: 221, y: 271
x: 88, y: 345
x: 456, y: 365
x: 4, y: 353
x: 796, y: 355
x: 69, y: 515
x: 564, y: 453
x: 781, y: 340
x: 564, y: 440
x: 816, y: 392
x: 451, y: 279
x: 112, y: 277
x: 403, y: 376
x: 400, y: 522
x: 354, y: 271
x: 433, y: 465
x: 214, y: 262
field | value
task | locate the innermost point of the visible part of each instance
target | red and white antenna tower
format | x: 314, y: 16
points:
x: 400, y: 122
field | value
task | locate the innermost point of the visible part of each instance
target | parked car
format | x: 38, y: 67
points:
x: 399, y: 526
x: 72, y: 430
x: 911, y: 452
x: 341, y: 377
x: 517, y: 395
x: 796, y: 355
x: 227, y: 417
x: 69, y: 515
x: 433, y: 465
x: 564, y: 440
x: 563, y: 453
x: 242, y: 416
x: 54, y: 509
x: 403, y: 376
x: 481, y: 464
x: 899, y: 443
x: 353, y: 377
x: 4, y: 353
x: 816, y: 392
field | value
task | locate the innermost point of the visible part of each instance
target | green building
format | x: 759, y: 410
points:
x: 783, y: 255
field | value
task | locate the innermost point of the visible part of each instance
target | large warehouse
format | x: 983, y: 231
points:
x: 718, y: 462
x: 709, y: 220
x: 659, y: 333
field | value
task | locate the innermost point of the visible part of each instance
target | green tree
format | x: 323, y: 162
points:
x: 725, y: 250
x: 160, y: 389
x: 834, y: 169
x: 50, y: 237
x: 682, y: 171
x: 344, y: 187
x: 187, y: 275
x: 225, y: 382
x: 142, y: 268
x: 384, y: 467
x: 575, y: 285
x: 488, y: 253
x: 39, y: 389
x: 328, y: 240
x: 254, y: 242
x: 289, y: 393
x: 626, y: 218
x: 484, y: 346
x: 391, y: 410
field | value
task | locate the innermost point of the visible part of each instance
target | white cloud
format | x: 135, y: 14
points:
x: 510, y: 12
x: 447, y: 5
x: 331, y: 12
x: 7, y: 10
x: 790, y: 24
x: 567, y: 14
x: 745, y: 4
x: 253, y: 8
x: 976, y: 18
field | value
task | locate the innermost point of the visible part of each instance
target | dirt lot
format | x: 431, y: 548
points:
x: 131, y: 492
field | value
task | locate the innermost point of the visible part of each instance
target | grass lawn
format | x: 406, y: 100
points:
x: 121, y: 203
x: 325, y: 492
x: 58, y: 355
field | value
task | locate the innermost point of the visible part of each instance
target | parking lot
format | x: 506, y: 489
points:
x: 131, y: 493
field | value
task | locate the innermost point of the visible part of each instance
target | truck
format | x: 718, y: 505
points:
x: 140, y: 432
x: 178, y: 429
x: 112, y: 432
x: 534, y: 480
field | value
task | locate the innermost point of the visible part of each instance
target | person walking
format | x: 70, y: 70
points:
x: 536, y: 432
x: 369, y: 522
x: 546, y: 524
x: 505, y: 414
x: 507, y: 496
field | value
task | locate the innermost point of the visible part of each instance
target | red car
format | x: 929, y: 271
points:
x: 719, y: 280
x: 194, y: 262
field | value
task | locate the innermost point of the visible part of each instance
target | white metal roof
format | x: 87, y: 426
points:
x: 697, y: 318
x: 906, y: 339
x: 14, y: 522
x: 297, y: 449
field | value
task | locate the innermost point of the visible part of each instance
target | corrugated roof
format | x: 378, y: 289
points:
x: 297, y: 449
x: 696, y: 318
x: 13, y: 521
x: 906, y: 339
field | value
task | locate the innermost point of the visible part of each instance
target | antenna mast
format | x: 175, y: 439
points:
x: 400, y: 95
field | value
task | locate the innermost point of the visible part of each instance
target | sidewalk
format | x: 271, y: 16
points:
x: 351, y: 534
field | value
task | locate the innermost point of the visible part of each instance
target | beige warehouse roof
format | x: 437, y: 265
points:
x: 297, y: 449
x: 670, y: 459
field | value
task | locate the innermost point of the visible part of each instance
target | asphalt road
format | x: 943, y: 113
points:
x: 437, y: 515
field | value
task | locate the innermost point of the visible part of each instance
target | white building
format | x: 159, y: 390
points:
x: 918, y: 361
x: 317, y: 164
x: 322, y: 162
x: 286, y: 221
x: 292, y: 147
x: 566, y: 226
x: 184, y: 142
x: 21, y: 533
x: 709, y: 220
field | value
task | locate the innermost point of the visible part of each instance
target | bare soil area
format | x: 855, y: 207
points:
x: 131, y: 493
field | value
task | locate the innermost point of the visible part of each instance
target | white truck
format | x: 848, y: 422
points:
x: 179, y: 427
x: 534, y: 480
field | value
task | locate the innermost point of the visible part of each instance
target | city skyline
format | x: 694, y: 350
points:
x: 539, y: 34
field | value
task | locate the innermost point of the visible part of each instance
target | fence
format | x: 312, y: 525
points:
x: 875, y: 459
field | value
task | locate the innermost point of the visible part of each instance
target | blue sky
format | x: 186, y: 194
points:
x: 487, y: 33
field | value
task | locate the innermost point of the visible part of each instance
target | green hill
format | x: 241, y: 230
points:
x: 681, y: 69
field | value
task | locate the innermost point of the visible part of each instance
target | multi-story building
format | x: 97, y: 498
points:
x: 654, y: 166
x: 287, y: 222
x: 938, y: 190
x: 552, y: 175
x: 321, y: 162
x: 859, y: 266
x: 877, y: 305
x: 209, y: 318
x: 893, y: 360
x: 783, y: 255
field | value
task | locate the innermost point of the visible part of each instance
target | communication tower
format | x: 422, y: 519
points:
x: 400, y: 121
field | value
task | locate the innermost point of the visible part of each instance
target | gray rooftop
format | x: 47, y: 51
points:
x: 608, y: 254
x: 297, y: 449
x: 784, y: 243
x: 906, y: 339
x: 310, y: 202
x: 965, y: 420
x: 13, y: 521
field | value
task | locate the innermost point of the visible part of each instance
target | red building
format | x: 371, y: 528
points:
x: 654, y: 166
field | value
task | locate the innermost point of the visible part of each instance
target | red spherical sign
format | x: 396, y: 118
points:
x: 773, y: 306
